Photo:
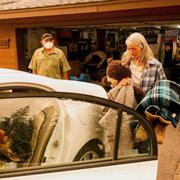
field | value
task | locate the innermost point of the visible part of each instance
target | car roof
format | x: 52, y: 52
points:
x: 17, y: 77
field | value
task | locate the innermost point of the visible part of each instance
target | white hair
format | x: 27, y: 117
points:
x: 137, y: 39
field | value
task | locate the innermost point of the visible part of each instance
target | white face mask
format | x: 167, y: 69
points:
x: 48, y: 45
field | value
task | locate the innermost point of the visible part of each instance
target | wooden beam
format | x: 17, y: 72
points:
x: 98, y: 7
x: 171, y: 13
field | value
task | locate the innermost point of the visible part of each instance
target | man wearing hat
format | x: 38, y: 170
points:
x: 48, y: 60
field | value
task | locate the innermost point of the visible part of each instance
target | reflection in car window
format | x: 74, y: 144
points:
x: 60, y: 131
x: 23, y: 123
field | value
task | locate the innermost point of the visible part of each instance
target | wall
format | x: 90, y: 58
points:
x: 8, y: 56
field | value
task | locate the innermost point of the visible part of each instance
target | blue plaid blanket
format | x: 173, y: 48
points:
x: 165, y: 98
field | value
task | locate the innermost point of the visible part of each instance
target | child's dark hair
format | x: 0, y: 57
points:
x: 117, y: 70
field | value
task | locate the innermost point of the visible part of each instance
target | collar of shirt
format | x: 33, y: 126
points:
x: 151, y: 62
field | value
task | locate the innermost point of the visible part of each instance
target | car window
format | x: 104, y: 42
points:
x: 43, y: 130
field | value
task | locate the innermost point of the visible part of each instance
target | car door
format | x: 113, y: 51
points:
x: 67, y: 139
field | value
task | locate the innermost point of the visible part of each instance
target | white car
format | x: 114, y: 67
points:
x: 66, y: 139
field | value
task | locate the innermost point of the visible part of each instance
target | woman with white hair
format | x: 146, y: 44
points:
x: 145, y: 69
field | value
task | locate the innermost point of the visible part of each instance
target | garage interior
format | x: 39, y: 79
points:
x: 76, y: 42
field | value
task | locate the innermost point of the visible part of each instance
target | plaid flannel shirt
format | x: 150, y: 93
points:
x: 152, y: 73
x: 165, y: 95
